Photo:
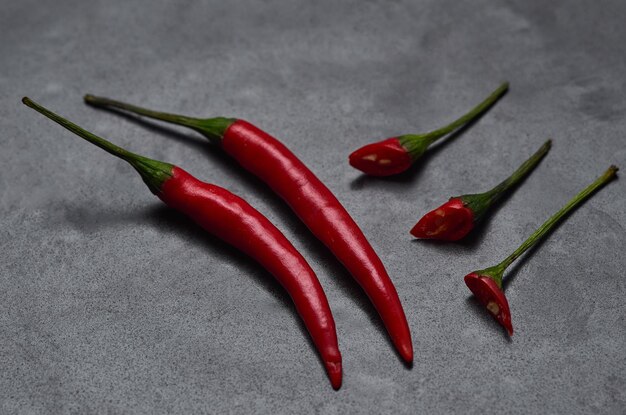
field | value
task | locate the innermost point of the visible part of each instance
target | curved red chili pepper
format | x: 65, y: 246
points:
x: 271, y: 161
x: 233, y: 220
x: 456, y: 218
x: 319, y: 209
x: 397, y: 154
x: 486, y: 284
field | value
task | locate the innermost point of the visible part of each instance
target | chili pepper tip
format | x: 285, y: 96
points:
x: 334, y: 371
x: 406, y: 352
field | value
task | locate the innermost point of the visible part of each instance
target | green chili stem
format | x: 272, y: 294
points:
x: 480, y: 203
x: 92, y: 138
x: 153, y: 172
x: 434, y: 135
x: 550, y: 223
x: 163, y: 116
x: 212, y: 128
x: 522, y: 171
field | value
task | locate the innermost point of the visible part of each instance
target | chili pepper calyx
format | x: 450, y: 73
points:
x: 384, y: 158
x: 416, y: 144
x: 153, y: 172
x: 449, y: 222
x: 214, y: 128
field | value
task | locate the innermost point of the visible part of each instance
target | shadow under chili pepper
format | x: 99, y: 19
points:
x: 321, y: 254
x: 177, y: 223
x: 169, y: 220
x: 419, y: 165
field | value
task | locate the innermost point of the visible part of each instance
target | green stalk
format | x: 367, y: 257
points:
x: 416, y: 144
x: 480, y: 203
x: 523, y: 170
x: 212, y: 128
x: 609, y: 175
x: 153, y: 172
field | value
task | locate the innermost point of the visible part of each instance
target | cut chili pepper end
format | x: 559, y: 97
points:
x: 384, y: 158
x: 449, y: 222
x: 491, y: 296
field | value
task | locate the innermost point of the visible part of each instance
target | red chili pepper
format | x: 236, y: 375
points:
x: 233, y: 220
x: 385, y: 158
x: 449, y: 222
x: 486, y: 284
x: 456, y: 218
x: 270, y: 160
x: 397, y: 154
x: 489, y: 293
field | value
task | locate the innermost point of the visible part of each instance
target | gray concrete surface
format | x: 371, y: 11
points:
x: 111, y: 303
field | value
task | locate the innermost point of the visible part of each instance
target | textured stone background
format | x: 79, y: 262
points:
x: 111, y: 303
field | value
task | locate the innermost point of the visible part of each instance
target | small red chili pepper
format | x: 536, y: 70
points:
x: 486, y: 284
x: 397, y: 154
x: 233, y: 220
x: 271, y: 161
x: 456, y: 218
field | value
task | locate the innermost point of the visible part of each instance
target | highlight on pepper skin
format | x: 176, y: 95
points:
x: 384, y: 158
x: 491, y: 296
x: 449, y: 222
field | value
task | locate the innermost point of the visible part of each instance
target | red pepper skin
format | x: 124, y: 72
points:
x: 449, y: 222
x: 491, y: 296
x: 319, y: 209
x: 233, y: 220
x: 384, y: 158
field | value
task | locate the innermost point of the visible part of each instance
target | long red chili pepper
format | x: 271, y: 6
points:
x: 233, y: 220
x: 395, y: 155
x: 310, y: 199
x: 456, y: 218
x: 486, y: 284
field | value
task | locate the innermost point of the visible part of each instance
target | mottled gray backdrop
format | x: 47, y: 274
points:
x: 111, y: 303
